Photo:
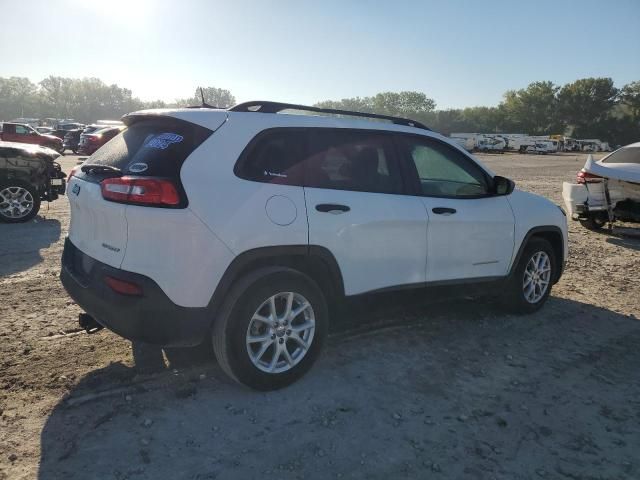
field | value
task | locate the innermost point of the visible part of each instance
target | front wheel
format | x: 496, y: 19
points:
x: 530, y: 284
x: 19, y: 202
x: 271, y: 328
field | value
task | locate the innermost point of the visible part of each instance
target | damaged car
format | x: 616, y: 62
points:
x: 29, y: 174
x: 606, y: 190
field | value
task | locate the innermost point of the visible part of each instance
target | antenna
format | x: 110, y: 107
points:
x: 202, y: 95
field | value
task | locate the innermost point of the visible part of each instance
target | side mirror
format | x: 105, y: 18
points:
x: 503, y: 185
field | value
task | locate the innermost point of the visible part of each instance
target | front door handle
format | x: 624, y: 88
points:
x: 443, y: 210
x: 332, y: 208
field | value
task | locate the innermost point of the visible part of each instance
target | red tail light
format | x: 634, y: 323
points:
x: 123, y: 287
x: 586, y: 177
x: 92, y: 138
x: 146, y: 191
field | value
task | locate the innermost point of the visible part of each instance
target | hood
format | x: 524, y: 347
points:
x: 53, y: 138
x: 627, y: 172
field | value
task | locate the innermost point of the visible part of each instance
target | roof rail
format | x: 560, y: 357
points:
x: 275, y: 107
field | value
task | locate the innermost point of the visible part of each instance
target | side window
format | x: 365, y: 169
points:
x: 352, y: 160
x: 275, y: 157
x: 443, y: 171
x: 22, y: 130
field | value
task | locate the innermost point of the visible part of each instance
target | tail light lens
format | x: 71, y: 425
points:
x: 586, y: 177
x: 140, y: 190
x: 122, y: 287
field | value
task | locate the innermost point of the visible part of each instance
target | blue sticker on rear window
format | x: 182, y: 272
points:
x: 163, y: 140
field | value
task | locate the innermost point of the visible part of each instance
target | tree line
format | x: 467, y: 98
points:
x: 85, y: 99
x: 585, y: 108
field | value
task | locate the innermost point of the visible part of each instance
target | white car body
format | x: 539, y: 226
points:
x: 622, y: 182
x: 384, y: 241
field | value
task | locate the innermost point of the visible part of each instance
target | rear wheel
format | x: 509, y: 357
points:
x: 595, y: 221
x: 19, y: 202
x: 530, y: 284
x: 271, y: 328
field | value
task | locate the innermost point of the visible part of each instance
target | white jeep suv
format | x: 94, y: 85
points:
x: 247, y: 224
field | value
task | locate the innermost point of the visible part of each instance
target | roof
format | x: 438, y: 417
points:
x: 210, y: 117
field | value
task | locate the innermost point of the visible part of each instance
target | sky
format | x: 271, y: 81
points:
x: 460, y: 53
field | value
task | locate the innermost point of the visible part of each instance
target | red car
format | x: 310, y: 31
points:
x: 22, y: 133
x: 90, y: 142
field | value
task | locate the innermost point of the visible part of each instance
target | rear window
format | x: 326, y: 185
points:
x: 156, y: 147
x: 624, y: 155
x: 352, y: 160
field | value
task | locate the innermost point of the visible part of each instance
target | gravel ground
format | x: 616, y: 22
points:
x: 447, y: 389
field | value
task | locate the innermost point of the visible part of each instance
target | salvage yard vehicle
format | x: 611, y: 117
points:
x: 28, y: 175
x: 90, y: 142
x: 23, y: 133
x: 248, y: 226
x: 606, y: 190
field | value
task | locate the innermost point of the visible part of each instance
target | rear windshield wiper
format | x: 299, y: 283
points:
x: 99, y: 168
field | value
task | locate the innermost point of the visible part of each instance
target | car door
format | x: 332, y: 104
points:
x: 26, y: 134
x: 470, y: 232
x: 357, y: 209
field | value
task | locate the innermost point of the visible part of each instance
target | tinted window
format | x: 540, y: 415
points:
x: 152, y: 147
x: 444, y: 171
x: 22, y: 130
x: 275, y: 157
x: 352, y: 160
x: 624, y: 155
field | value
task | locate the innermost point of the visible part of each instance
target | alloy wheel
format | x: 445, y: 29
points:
x: 15, y: 202
x: 280, y: 332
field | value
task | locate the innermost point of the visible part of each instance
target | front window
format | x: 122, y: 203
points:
x: 444, y: 171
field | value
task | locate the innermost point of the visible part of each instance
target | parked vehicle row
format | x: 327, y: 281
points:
x: 522, y: 143
x: 29, y: 174
x: 248, y: 225
x: 87, y: 140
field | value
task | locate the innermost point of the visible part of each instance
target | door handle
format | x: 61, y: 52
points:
x: 443, y: 210
x: 332, y: 208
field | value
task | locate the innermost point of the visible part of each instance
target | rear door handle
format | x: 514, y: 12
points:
x: 443, y: 210
x: 332, y: 208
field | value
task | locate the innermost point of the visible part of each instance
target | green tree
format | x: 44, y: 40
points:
x: 217, y: 97
x: 401, y: 104
x: 533, y: 110
x: 630, y: 98
x: 587, y: 106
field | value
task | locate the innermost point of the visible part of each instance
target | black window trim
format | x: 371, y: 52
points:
x: 413, y: 179
x: 397, y: 160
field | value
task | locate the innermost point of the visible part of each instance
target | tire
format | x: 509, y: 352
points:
x: 30, y: 197
x: 75, y: 151
x: 594, y: 222
x: 516, y: 298
x: 236, y: 321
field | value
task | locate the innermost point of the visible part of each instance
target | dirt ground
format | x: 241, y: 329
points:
x: 407, y: 388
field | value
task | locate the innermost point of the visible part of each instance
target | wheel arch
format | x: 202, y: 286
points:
x: 551, y: 233
x: 314, y: 261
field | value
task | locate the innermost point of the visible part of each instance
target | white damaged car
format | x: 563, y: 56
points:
x: 606, y: 190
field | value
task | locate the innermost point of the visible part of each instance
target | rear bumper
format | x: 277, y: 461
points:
x: 151, y: 318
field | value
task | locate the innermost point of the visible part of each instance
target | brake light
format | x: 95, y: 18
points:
x: 123, y: 287
x: 147, y: 191
x: 586, y: 177
x: 92, y: 138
